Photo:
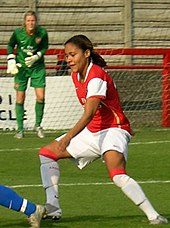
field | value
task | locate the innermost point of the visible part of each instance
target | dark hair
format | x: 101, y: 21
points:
x: 84, y: 43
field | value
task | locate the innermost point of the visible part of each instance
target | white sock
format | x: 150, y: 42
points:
x: 148, y: 209
x: 50, y: 175
x: 52, y: 195
x: 134, y: 192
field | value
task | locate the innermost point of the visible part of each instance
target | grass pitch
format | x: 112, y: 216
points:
x: 87, y: 197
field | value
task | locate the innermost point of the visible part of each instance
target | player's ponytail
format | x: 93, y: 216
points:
x: 97, y: 59
x: 85, y: 44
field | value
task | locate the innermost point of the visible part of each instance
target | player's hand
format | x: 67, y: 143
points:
x: 29, y: 61
x: 11, y: 65
x: 63, y: 143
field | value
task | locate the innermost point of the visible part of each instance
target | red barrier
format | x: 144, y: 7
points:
x: 165, y: 53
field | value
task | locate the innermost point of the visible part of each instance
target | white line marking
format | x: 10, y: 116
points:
x: 19, y: 149
x: 152, y: 142
x: 133, y: 143
x: 90, y: 184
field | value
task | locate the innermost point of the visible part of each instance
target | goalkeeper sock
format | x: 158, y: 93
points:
x: 11, y: 200
x: 19, y: 108
x: 39, y: 111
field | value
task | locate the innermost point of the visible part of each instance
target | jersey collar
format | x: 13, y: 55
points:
x: 87, y: 72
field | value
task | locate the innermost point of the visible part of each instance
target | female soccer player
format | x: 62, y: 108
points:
x: 10, y: 199
x: 102, y: 131
x: 31, y: 43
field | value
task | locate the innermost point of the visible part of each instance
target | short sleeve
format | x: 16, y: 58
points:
x: 96, y: 88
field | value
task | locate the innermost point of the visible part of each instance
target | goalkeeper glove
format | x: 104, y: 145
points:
x: 29, y: 61
x: 11, y: 66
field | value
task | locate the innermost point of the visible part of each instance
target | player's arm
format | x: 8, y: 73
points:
x: 11, y: 44
x: 11, y: 62
x: 29, y: 61
x: 97, y: 88
x: 90, y: 109
x: 96, y: 92
x: 44, y: 43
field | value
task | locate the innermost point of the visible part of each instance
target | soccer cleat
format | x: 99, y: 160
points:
x: 35, y: 218
x: 40, y: 132
x: 159, y: 220
x: 19, y: 135
x: 52, y: 212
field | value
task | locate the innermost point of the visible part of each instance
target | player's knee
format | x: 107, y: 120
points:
x: 20, y: 102
x: 48, y: 154
x: 119, y: 177
x: 130, y: 187
x: 121, y: 180
x: 40, y: 100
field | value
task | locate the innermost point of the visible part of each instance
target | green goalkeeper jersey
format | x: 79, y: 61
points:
x: 27, y: 45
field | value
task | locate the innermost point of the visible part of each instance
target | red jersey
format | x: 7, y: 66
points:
x: 99, y: 84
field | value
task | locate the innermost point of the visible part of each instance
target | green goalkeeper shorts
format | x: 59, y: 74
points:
x: 36, y: 76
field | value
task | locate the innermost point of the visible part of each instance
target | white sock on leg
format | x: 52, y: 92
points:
x: 50, y: 175
x: 134, y: 192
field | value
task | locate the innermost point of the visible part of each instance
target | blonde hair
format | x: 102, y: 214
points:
x: 30, y: 13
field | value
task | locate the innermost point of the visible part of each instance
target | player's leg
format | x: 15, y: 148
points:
x: 10, y: 199
x: 19, y: 108
x: 20, y: 86
x: 80, y: 149
x: 115, y: 164
x: 114, y: 148
x: 39, y: 110
x: 50, y: 174
x: 38, y: 82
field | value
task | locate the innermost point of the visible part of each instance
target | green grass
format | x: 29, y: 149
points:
x: 87, y: 197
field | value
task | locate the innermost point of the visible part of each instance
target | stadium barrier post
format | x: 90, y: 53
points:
x: 166, y: 91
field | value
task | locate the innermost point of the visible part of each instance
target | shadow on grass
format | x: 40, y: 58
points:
x: 14, y: 223
x: 97, y: 221
x: 87, y: 221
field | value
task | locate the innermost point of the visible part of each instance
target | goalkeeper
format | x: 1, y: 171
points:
x: 103, y: 131
x: 31, y: 43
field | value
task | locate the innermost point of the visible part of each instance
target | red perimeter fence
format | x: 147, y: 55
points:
x: 165, y: 66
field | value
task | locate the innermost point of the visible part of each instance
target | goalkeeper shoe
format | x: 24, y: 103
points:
x: 52, y: 212
x: 35, y: 218
x: 19, y: 135
x: 40, y: 132
x: 159, y: 220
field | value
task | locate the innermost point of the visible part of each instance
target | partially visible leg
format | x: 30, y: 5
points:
x: 50, y: 175
x: 39, y: 110
x: 19, y: 116
x: 115, y: 164
x: 19, y: 108
x: 10, y: 199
